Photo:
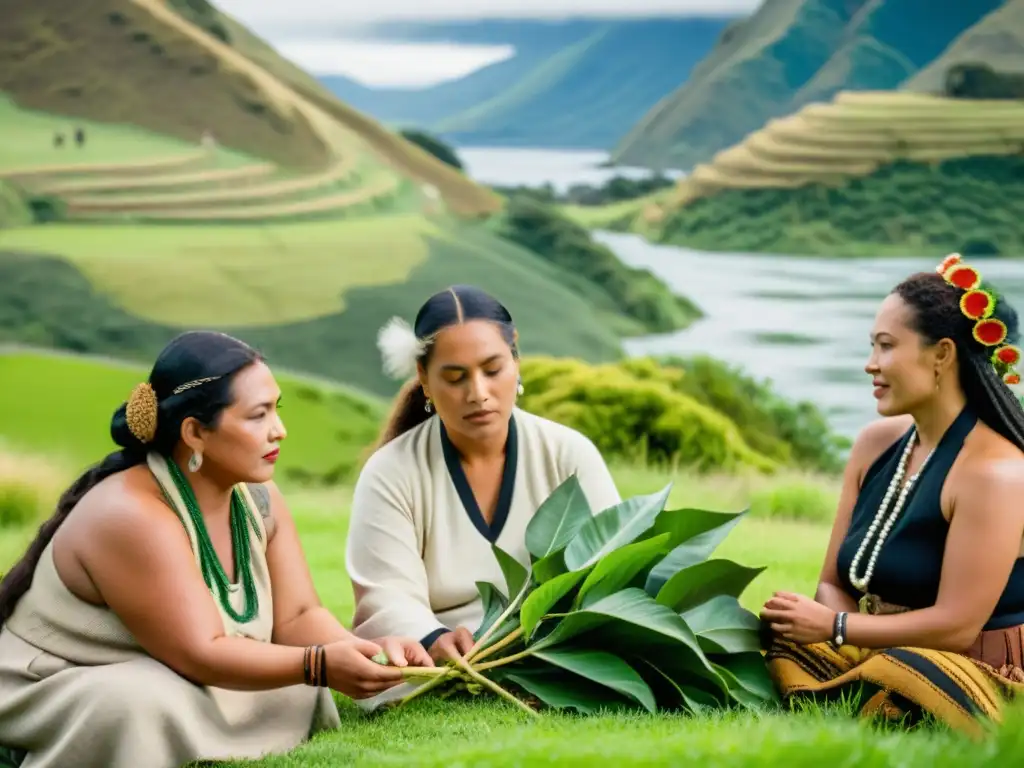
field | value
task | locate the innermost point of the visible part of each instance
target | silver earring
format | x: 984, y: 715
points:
x: 195, y: 462
x: 428, y: 406
x: 520, y: 389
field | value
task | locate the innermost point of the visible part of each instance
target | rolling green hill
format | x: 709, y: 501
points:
x: 575, y: 83
x: 303, y: 225
x: 792, y: 53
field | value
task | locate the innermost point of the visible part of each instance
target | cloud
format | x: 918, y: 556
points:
x: 310, y: 14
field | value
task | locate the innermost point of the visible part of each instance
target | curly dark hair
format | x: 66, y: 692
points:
x: 935, y: 305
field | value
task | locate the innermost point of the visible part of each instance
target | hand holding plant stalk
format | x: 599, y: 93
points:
x: 619, y: 610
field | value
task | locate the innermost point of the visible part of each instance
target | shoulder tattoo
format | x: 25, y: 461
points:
x: 261, y: 497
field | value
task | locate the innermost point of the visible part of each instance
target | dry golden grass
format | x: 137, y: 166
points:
x: 384, y: 185
x: 102, y: 183
x: 132, y: 201
x: 30, y: 176
x: 30, y: 485
x: 855, y: 135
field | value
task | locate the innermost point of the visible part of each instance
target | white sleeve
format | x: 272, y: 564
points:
x: 383, y: 559
x: 583, y: 458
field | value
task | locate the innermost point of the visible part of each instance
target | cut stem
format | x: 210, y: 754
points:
x: 494, y: 687
x: 498, y: 622
x: 503, y: 643
x: 423, y: 672
x: 503, y: 661
x: 428, y: 686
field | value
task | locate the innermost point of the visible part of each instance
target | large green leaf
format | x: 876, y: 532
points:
x: 613, y: 528
x: 514, y: 571
x: 685, y: 525
x: 698, y: 583
x: 617, y: 569
x: 746, y: 677
x: 540, y: 601
x: 548, y: 567
x: 722, y: 625
x: 494, y: 603
x: 632, y: 619
x: 704, y: 532
x: 672, y: 693
x: 602, y: 668
x: 562, y: 690
x: 557, y: 519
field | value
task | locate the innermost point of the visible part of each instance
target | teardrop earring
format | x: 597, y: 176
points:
x: 428, y: 406
x: 520, y: 389
x: 195, y: 461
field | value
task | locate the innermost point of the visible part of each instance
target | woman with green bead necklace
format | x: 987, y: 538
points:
x: 165, y: 613
x: 920, y: 604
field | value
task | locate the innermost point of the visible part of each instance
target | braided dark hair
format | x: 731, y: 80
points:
x: 188, y: 357
x: 936, y: 315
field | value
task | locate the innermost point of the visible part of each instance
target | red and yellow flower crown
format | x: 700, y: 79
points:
x: 978, y: 304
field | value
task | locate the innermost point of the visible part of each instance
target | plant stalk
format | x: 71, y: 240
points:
x: 503, y: 643
x: 423, y: 672
x: 494, y: 687
x: 498, y: 622
x: 430, y: 685
x: 503, y: 661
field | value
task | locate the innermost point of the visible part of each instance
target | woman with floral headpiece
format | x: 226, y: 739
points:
x: 165, y: 613
x: 459, y: 468
x: 920, y: 604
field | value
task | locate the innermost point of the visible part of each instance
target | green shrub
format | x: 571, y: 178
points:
x: 699, y: 413
x: 29, y: 488
x: 636, y: 418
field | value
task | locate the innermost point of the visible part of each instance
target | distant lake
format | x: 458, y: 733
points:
x: 534, y: 167
x: 801, y: 322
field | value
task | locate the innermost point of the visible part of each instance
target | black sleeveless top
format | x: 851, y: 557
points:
x: 909, y: 566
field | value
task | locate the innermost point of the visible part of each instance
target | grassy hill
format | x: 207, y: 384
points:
x: 865, y: 174
x: 791, y: 53
x: 303, y: 225
x: 571, y: 84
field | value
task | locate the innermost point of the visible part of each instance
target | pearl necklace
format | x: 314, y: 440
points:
x: 886, y: 526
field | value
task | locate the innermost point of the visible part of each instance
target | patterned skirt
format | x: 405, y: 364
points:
x: 967, y: 691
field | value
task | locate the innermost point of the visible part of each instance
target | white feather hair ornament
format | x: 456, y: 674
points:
x: 399, y: 348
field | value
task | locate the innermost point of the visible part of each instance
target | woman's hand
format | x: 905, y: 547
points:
x: 350, y: 670
x: 451, y: 645
x: 798, y: 618
x: 405, y: 652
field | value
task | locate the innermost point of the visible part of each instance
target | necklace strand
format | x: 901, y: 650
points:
x: 861, y: 583
x: 213, y: 572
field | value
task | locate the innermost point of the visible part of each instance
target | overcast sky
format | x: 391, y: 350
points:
x: 313, y: 14
x: 312, y: 33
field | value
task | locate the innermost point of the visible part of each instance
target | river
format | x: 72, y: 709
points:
x: 801, y: 322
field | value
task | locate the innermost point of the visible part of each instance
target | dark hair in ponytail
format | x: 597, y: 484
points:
x: 187, y: 358
x: 452, y: 306
x: 937, y: 315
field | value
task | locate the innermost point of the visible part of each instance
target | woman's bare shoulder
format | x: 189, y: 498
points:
x: 873, y: 440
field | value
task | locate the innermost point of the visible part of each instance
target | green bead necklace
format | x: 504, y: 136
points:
x: 213, y: 572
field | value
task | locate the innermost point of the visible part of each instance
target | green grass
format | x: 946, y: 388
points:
x: 485, y: 732
x: 76, y: 288
x: 328, y: 426
x: 27, y: 141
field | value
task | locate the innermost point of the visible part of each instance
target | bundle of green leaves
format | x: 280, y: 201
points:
x: 624, y: 609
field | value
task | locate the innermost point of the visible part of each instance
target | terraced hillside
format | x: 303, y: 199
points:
x: 791, y: 53
x: 304, y: 251
x: 142, y: 63
x: 866, y: 173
